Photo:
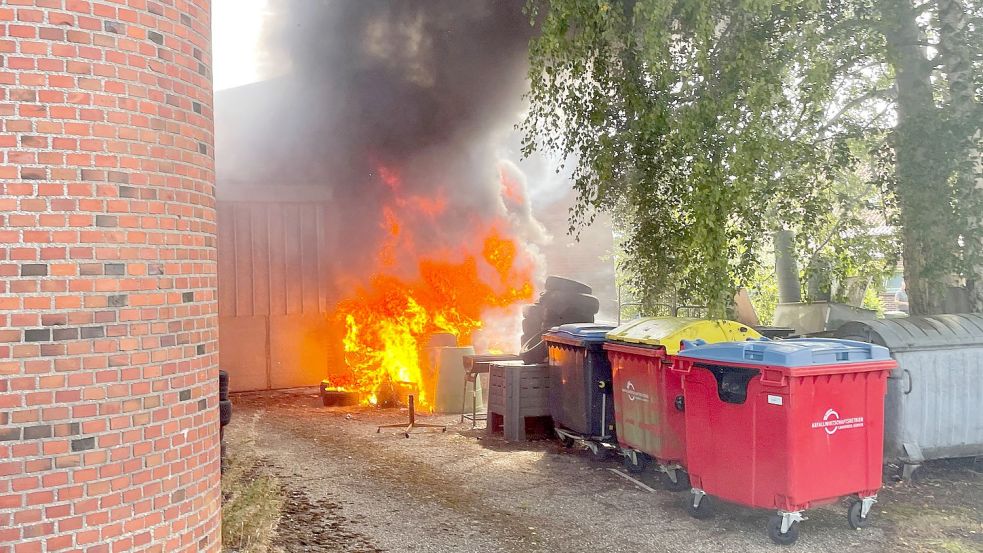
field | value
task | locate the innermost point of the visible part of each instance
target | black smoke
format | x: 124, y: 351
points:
x: 399, y: 76
x: 427, y: 88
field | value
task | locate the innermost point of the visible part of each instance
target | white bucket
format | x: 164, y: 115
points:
x: 450, y: 379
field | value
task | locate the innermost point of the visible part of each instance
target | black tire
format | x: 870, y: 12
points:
x: 775, y: 531
x: 338, y: 398
x: 526, y: 337
x: 681, y: 484
x: 566, y: 285
x: 532, y: 326
x: 857, y: 522
x: 534, y: 351
x: 703, y: 510
x: 641, y: 463
x: 223, y: 385
x: 224, y: 412
x: 569, y: 318
x: 563, y: 304
x: 553, y: 321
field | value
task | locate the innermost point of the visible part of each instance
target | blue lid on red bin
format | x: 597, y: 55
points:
x: 799, y: 352
x: 587, y: 332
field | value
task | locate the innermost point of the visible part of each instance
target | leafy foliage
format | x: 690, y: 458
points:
x: 706, y: 124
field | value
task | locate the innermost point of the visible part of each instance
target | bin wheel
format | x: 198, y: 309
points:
x: 640, y: 466
x: 567, y: 442
x: 681, y: 484
x: 853, y: 515
x: 775, y: 531
x: 703, y: 509
x: 600, y: 454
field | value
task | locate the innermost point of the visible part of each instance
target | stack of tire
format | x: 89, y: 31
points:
x: 224, y: 409
x: 564, y: 301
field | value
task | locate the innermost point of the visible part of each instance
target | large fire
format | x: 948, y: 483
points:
x: 390, y: 317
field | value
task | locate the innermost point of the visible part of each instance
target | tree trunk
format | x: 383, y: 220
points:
x: 957, y: 64
x: 924, y: 199
x: 786, y: 268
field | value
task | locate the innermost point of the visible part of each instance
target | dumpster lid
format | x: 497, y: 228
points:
x: 588, y: 332
x: 668, y: 332
x: 801, y: 352
x: 918, y: 333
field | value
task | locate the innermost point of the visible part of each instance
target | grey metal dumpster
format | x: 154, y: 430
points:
x: 933, y: 401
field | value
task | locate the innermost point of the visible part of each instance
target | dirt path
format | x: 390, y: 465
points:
x: 354, y: 490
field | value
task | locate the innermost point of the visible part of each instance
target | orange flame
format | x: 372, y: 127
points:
x: 389, y: 319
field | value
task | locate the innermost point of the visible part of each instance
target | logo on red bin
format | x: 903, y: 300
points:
x: 832, y: 422
x: 632, y: 394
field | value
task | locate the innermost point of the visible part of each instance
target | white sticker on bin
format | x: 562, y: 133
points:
x: 774, y: 400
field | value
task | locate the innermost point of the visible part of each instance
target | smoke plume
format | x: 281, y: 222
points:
x: 372, y: 91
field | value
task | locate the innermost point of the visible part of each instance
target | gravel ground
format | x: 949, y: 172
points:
x: 351, y: 489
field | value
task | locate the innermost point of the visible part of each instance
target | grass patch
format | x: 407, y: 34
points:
x: 957, y: 547
x: 252, y: 498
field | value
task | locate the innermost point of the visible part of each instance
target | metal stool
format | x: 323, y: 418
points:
x: 474, y: 366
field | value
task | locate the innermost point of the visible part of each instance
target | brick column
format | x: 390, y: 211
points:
x: 108, y: 363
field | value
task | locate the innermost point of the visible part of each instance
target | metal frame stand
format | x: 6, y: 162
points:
x: 407, y: 428
x: 474, y: 416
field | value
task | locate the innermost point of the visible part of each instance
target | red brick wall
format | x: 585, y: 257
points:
x: 108, y: 361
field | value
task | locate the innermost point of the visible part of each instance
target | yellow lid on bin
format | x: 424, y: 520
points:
x: 669, y: 331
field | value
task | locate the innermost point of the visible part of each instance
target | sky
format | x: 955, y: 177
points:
x: 236, y: 29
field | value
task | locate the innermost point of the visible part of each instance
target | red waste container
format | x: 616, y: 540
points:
x: 786, y: 425
x: 648, y: 396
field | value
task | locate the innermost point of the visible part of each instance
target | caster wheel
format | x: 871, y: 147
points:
x: 681, y: 484
x: 601, y: 454
x: 703, y: 510
x: 567, y: 442
x: 638, y: 467
x: 775, y: 531
x: 853, y: 515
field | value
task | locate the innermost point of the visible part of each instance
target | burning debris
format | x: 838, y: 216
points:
x: 405, y: 103
x: 402, y: 114
x: 389, y: 318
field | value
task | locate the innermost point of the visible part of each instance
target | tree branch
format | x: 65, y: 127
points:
x: 923, y: 7
x: 870, y: 95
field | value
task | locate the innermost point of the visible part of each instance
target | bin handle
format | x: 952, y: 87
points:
x: 780, y: 381
x: 907, y: 373
x: 754, y: 355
